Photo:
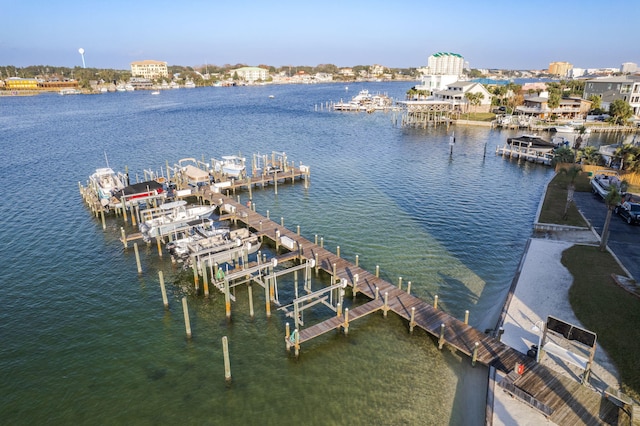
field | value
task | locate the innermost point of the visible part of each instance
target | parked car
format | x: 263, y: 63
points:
x: 629, y: 211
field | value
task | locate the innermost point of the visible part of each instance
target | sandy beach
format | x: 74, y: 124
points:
x: 541, y: 290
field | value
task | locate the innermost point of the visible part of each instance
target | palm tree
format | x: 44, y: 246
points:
x: 612, y: 200
x: 590, y: 155
x: 572, y: 172
x: 563, y: 155
x: 628, y: 155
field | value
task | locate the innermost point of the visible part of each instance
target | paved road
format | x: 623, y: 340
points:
x: 624, y: 239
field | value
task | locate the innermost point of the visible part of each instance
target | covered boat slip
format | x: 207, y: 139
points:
x: 196, y: 176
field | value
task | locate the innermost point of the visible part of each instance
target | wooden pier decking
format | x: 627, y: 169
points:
x: 463, y: 337
x: 562, y: 400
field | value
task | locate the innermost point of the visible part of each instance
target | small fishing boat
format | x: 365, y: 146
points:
x: 221, y: 248
x: 603, y: 180
x: 563, y: 129
x: 155, y: 92
x: 106, y: 183
x: 172, y: 217
x: 232, y: 166
x: 140, y: 192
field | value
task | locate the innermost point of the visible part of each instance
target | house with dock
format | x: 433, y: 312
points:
x: 568, y: 109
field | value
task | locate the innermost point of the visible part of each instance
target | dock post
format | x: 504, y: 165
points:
x: 357, y: 260
x: 104, y: 224
x: 400, y: 283
x: 316, y: 240
x: 196, y: 278
x: 205, y: 280
x: 298, y: 229
x: 339, y: 310
x: 135, y: 249
x: 287, y: 336
x: 321, y: 241
x: 317, y: 264
x: 333, y: 274
x: 385, y: 308
x: 185, y: 311
x: 260, y: 226
x: 159, y: 247
x: 282, y: 221
x: 163, y: 290
x: 267, y: 214
x: 466, y: 316
x: 124, y: 209
x: 124, y: 238
x: 227, y: 298
x: 250, y: 291
x: 275, y: 182
x: 297, y: 342
x: 441, y: 338
x: 409, y: 287
x: 377, y: 293
x: 354, y: 290
x: 412, y: 322
x: 346, y: 321
x: 267, y: 289
x: 227, y: 366
x: 377, y: 271
x: 474, y: 357
x: 134, y: 213
x: 435, y: 302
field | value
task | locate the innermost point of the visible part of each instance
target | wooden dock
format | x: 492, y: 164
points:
x: 455, y: 333
x: 562, y: 400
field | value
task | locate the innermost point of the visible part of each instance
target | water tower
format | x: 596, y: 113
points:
x: 81, y: 51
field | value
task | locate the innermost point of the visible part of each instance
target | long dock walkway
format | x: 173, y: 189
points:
x: 559, y: 399
x: 488, y: 350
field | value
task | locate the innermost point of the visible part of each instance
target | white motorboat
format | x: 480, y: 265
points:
x: 231, y: 165
x: 563, y: 129
x: 222, y: 248
x: 172, y: 217
x: 603, y: 180
x: 364, y: 101
x: 106, y: 183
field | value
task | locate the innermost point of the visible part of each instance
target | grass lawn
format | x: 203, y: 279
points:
x: 478, y: 116
x: 556, y: 199
x: 608, y: 310
x: 603, y: 307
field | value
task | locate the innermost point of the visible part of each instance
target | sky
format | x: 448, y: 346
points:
x: 500, y: 34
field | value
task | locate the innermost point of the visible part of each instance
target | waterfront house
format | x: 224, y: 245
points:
x: 569, y: 108
x: 455, y: 95
x: 609, y: 89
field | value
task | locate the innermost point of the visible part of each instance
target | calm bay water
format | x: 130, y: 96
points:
x: 87, y: 340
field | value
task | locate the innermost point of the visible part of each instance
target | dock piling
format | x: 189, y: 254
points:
x: 138, y: 264
x: 412, y: 322
x: 227, y: 364
x: 163, y: 290
x: 474, y: 357
x: 441, y: 338
x: 185, y: 311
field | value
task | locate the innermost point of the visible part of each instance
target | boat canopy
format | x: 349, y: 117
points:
x: 196, y: 175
